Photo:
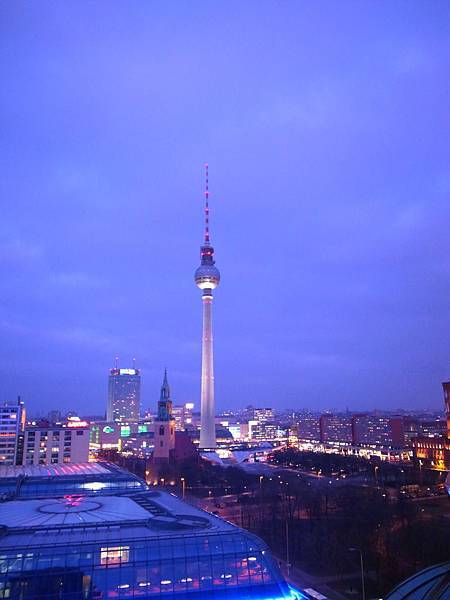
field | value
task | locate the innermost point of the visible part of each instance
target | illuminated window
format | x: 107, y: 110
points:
x: 125, y: 430
x: 108, y: 429
x: 114, y: 555
x: 142, y: 428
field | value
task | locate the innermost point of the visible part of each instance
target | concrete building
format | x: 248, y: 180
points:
x: 308, y: 428
x: 335, y: 428
x: 12, y: 424
x: 54, y: 445
x: 124, y: 395
x: 369, y: 429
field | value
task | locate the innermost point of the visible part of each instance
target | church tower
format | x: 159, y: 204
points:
x: 164, y: 425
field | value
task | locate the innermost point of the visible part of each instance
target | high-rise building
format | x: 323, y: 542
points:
x: 164, y: 438
x: 12, y: 424
x: 207, y: 278
x: 124, y: 395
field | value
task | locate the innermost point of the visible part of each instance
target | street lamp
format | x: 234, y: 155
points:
x: 288, y: 564
x: 376, y: 475
x: 260, y: 483
x: 363, y: 589
x: 183, y: 483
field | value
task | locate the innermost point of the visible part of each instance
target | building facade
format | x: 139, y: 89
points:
x: 308, y: 428
x: 336, y: 428
x: 379, y: 430
x: 12, y: 424
x: 124, y: 395
x: 55, y: 445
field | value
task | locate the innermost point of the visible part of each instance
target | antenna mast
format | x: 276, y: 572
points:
x: 207, y: 240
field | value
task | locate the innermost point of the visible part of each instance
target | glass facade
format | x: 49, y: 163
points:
x: 210, y: 566
x: 57, y: 482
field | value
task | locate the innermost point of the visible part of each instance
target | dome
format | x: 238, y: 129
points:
x: 433, y: 582
x: 207, y: 277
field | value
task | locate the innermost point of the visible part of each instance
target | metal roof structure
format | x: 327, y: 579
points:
x: 90, y: 468
x: 430, y: 584
x: 58, y: 480
x: 99, y: 536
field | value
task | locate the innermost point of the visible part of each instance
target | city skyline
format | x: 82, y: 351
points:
x: 331, y: 186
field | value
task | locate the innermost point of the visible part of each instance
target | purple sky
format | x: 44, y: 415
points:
x: 326, y: 128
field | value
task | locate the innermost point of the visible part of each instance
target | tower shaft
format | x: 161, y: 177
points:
x: 208, y: 412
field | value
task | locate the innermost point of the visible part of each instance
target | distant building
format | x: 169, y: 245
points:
x: 182, y: 415
x: 433, y: 428
x: 308, y: 428
x: 265, y: 431
x: 124, y: 395
x: 375, y: 429
x: 336, y: 428
x: 54, y: 416
x: 12, y: 424
x: 262, y: 415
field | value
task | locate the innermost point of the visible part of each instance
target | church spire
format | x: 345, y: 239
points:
x: 165, y: 403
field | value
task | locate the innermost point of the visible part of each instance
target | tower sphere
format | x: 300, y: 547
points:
x: 207, y: 277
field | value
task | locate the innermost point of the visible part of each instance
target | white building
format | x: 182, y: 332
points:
x: 56, y: 445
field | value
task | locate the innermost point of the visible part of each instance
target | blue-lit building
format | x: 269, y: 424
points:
x: 125, y: 541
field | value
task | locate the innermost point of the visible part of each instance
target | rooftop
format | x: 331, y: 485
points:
x: 104, y: 534
x: 76, y: 518
x: 59, y: 480
x: 92, y: 468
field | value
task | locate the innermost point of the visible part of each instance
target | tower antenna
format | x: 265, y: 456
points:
x: 207, y: 240
x: 117, y: 362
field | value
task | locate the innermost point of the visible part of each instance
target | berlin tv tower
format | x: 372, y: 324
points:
x: 207, y: 278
